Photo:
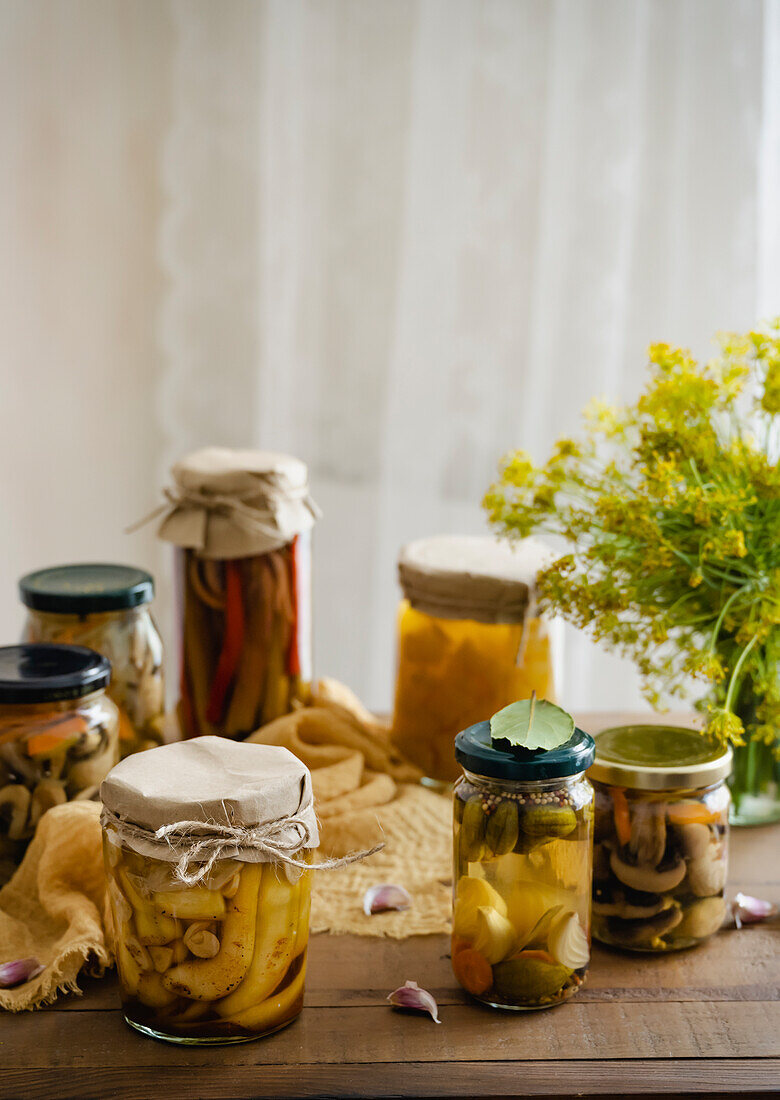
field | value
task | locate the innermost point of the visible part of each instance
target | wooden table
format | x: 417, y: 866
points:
x: 702, y: 1022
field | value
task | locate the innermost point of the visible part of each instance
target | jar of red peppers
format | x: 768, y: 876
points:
x: 241, y: 521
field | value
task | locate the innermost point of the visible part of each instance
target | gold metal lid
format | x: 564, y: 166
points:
x: 658, y: 758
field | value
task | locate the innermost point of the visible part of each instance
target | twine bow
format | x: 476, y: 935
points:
x: 253, y: 517
x: 200, y: 844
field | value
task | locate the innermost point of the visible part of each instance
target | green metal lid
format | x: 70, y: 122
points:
x: 474, y: 751
x: 658, y: 758
x: 44, y: 673
x: 86, y: 589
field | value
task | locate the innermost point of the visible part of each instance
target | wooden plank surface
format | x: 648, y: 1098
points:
x: 703, y: 1022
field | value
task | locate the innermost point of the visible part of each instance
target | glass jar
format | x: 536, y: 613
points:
x: 211, y: 928
x: 241, y: 521
x: 469, y: 642
x: 523, y: 843
x: 59, y: 736
x: 661, y: 837
x: 245, y: 638
x: 106, y: 608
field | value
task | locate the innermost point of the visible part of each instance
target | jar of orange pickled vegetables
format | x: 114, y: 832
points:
x: 207, y: 846
x: 523, y: 849
x: 59, y: 736
x: 469, y: 641
x: 106, y: 607
x: 241, y: 522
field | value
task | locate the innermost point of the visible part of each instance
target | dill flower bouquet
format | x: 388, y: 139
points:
x: 671, y: 511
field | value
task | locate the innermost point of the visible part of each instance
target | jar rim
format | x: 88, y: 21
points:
x: 48, y: 673
x: 474, y: 751
x: 644, y: 758
x: 86, y: 588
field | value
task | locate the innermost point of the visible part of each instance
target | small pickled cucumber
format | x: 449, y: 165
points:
x: 550, y: 822
x: 502, y: 828
x: 472, y: 831
x: 528, y: 979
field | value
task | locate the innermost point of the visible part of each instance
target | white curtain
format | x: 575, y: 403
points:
x: 402, y: 237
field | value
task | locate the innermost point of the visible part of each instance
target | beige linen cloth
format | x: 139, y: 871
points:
x: 54, y: 908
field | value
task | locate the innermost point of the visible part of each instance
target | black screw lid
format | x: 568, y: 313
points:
x: 474, y: 750
x: 86, y: 589
x: 46, y: 673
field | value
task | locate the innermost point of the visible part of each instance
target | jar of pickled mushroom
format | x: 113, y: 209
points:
x: 242, y: 522
x: 207, y: 845
x: 469, y: 641
x: 106, y: 608
x: 661, y: 837
x: 523, y: 843
x: 59, y: 736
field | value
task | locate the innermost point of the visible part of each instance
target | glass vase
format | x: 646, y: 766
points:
x: 755, y: 783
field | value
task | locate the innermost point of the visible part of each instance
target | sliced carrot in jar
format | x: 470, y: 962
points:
x: 621, y: 815
x: 691, y: 813
x: 472, y: 970
x: 56, y: 737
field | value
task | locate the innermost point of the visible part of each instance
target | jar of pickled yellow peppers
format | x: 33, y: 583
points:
x: 661, y: 837
x: 469, y: 641
x: 207, y: 845
x: 523, y: 843
x: 241, y: 521
x: 59, y: 736
x: 106, y: 608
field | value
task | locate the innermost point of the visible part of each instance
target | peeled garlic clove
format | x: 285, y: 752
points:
x: 411, y: 996
x: 748, y: 910
x: 378, y: 899
x: 201, y: 941
x: 567, y: 942
x: 495, y: 934
x: 18, y: 971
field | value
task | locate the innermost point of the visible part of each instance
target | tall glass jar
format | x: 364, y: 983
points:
x: 210, y: 888
x: 106, y: 608
x: 661, y: 851
x: 523, y: 841
x: 469, y: 642
x: 241, y: 521
x: 59, y: 736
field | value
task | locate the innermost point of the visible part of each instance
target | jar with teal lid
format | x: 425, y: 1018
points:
x: 523, y: 844
x: 661, y: 837
x: 105, y: 607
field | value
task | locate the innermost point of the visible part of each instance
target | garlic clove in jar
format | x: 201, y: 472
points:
x: 495, y: 935
x: 567, y: 942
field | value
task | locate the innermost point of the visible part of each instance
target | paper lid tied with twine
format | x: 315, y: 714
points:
x: 233, y: 504
x: 472, y: 577
x: 193, y: 802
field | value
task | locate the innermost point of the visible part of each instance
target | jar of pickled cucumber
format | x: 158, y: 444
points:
x: 59, y: 736
x: 523, y: 843
x: 106, y: 608
x: 241, y: 522
x: 469, y: 641
x: 207, y: 846
x: 661, y: 837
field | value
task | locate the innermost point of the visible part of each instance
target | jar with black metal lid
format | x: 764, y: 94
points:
x: 661, y: 837
x: 106, y: 607
x: 59, y: 736
x: 523, y: 837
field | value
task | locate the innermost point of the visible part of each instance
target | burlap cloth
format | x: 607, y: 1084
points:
x: 54, y: 907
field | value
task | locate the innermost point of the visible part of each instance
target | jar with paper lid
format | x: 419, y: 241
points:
x: 207, y: 845
x: 106, y: 607
x: 469, y: 641
x: 59, y: 736
x: 241, y: 521
x: 523, y: 843
x: 661, y: 840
